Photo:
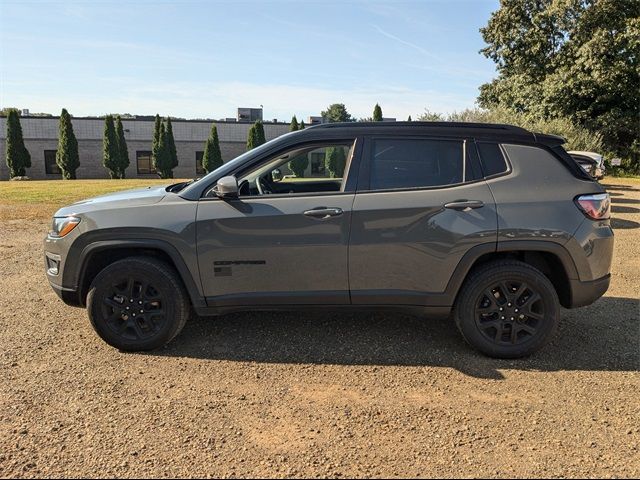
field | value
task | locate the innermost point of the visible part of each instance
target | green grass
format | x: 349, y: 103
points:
x: 37, y: 199
x: 68, y: 191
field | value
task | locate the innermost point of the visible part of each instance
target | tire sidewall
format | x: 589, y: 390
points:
x: 142, y: 270
x: 465, y: 310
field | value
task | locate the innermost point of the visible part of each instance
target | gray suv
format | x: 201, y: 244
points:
x: 491, y: 225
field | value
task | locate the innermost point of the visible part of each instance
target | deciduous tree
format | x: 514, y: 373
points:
x: 336, y: 112
x: 572, y: 59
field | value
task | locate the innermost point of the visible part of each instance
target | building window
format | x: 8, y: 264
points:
x: 199, y: 168
x: 50, y: 165
x: 143, y: 159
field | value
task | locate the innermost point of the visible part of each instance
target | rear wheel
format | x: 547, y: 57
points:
x: 507, y: 309
x: 137, y: 303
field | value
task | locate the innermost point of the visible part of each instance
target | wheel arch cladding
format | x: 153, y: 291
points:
x: 98, y: 255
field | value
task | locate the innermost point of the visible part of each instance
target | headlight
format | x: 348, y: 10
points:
x: 63, y: 225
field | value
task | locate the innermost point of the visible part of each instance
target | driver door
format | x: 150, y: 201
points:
x: 285, y: 239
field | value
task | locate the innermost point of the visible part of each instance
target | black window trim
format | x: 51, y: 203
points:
x: 352, y: 166
x: 365, y: 168
x: 506, y: 158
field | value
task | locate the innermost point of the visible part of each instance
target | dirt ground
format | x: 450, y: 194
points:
x: 317, y: 395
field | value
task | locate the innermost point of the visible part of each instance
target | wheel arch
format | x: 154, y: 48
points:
x: 97, y: 255
x: 551, y: 258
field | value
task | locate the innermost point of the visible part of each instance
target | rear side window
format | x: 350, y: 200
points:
x: 493, y: 161
x: 415, y: 163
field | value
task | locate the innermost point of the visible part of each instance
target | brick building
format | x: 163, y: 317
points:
x: 41, y: 139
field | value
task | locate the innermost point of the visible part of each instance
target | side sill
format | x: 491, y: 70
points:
x: 439, y: 312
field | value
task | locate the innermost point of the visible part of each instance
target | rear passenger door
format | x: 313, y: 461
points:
x: 420, y: 206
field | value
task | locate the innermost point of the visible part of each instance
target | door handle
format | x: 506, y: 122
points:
x: 322, y: 212
x: 464, y: 205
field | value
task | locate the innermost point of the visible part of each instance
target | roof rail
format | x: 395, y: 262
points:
x: 490, y: 126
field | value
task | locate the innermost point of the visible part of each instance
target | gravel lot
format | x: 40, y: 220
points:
x: 313, y: 394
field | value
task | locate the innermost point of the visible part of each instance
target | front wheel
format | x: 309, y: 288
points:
x: 507, y: 309
x: 137, y: 303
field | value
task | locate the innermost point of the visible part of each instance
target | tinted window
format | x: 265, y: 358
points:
x: 306, y: 169
x: 493, y: 161
x: 409, y: 163
x: 50, y: 165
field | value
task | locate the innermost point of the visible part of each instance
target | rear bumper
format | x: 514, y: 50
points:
x: 585, y: 293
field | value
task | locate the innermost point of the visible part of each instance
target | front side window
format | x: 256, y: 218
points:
x: 416, y: 163
x: 315, y: 168
x: 144, y: 164
x: 50, y: 165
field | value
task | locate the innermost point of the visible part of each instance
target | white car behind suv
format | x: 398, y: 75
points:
x: 593, y: 163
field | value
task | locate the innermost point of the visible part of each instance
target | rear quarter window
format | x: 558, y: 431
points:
x: 492, y: 159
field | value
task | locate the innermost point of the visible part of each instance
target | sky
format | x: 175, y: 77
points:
x: 203, y: 59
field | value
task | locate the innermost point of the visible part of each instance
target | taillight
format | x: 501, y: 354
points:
x: 595, y: 206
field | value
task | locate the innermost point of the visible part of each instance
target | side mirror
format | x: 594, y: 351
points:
x: 227, y: 188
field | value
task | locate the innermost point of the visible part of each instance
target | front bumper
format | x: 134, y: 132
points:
x: 55, y: 256
x: 585, y: 293
x: 67, y: 295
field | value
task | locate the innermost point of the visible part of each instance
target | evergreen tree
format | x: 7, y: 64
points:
x: 111, y: 154
x: 301, y: 126
x: 18, y: 157
x: 335, y: 161
x: 67, y: 157
x: 294, y: 124
x: 299, y: 164
x: 255, y: 137
x: 123, y: 152
x: 336, y: 112
x: 251, y: 138
x: 409, y: 119
x: 171, y: 144
x: 156, y: 139
x: 260, y: 137
x: 163, y: 162
x: 212, y: 157
x: 377, y: 113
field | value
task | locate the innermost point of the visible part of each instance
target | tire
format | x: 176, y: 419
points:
x: 507, y: 309
x: 137, y: 304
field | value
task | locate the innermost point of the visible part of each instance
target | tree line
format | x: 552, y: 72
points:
x: 164, y: 156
